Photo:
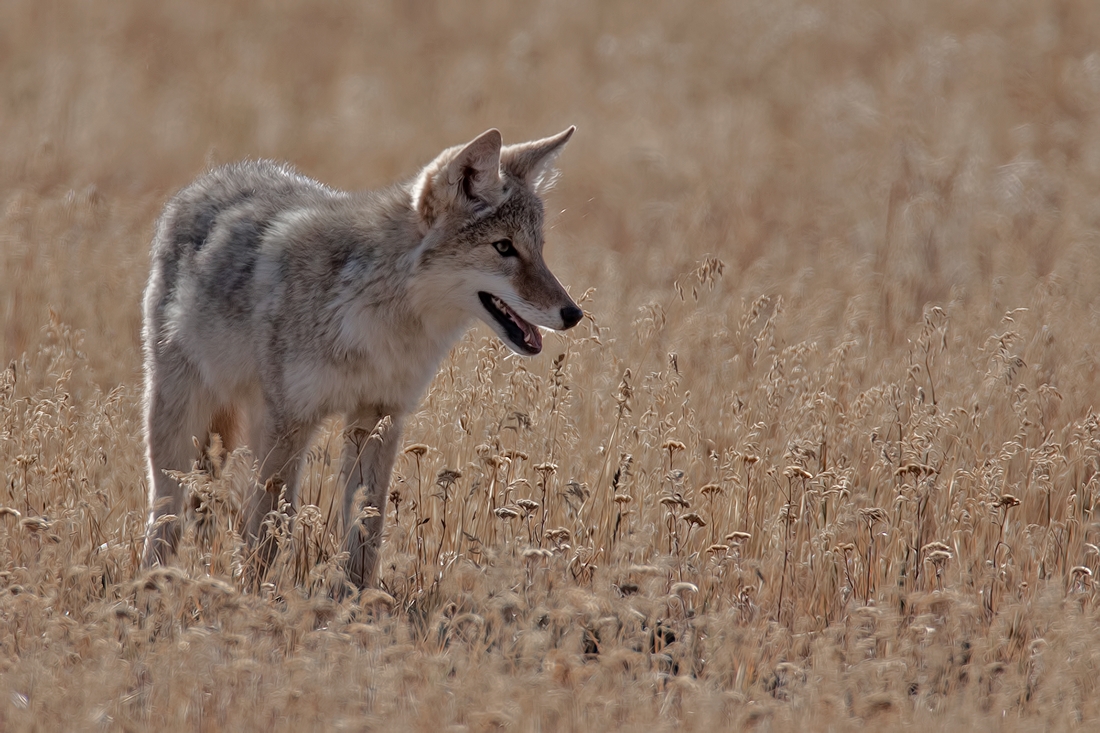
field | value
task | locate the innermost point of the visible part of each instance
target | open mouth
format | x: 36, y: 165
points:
x: 523, y: 335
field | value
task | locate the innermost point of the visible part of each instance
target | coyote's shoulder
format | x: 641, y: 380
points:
x: 274, y: 301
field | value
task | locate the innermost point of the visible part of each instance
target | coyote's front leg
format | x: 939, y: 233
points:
x: 372, y: 437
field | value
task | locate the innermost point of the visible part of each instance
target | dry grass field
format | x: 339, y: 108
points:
x: 824, y: 455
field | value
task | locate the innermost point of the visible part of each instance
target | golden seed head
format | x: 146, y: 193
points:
x: 1081, y: 571
x: 514, y: 454
x: 718, y: 549
x: 417, y: 449
x: 939, y: 557
x: 738, y: 538
x: 1008, y: 501
x: 673, y: 446
x: 711, y: 489
x: 750, y: 458
x: 546, y: 468
x: 936, y: 547
x: 506, y: 513
x: 623, y: 498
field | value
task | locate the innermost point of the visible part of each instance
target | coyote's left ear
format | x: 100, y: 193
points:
x: 465, y: 177
x: 533, y: 162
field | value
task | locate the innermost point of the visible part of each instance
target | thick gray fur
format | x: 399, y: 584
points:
x: 275, y: 301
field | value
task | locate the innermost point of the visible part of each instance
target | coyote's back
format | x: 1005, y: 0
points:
x: 274, y: 301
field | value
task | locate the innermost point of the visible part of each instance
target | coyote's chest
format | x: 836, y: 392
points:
x: 384, y: 365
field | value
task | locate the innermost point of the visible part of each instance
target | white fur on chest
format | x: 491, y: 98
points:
x: 384, y: 363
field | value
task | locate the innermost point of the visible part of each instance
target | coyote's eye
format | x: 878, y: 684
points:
x: 505, y: 247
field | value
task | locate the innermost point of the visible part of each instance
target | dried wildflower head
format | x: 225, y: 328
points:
x: 694, y: 519
x: 718, y: 549
x: 936, y: 547
x: 679, y: 589
x: 23, y: 460
x: 939, y: 557
x: 673, y: 446
x: 676, y: 500
x: 506, y: 513
x: 447, y: 477
x: 558, y: 535
x: 710, y: 490
x: 1007, y: 501
x: 537, y: 553
x: 917, y: 469
x: 528, y: 505
x: 546, y: 468
x: 1080, y: 572
x: 797, y: 472
x: 417, y: 449
x: 873, y: 515
x: 623, y: 498
x: 738, y: 538
x: 514, y: 454
x: 495, y: 461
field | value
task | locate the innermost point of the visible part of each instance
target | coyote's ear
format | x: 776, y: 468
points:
x: 533, y: 162
x: 466, y: 178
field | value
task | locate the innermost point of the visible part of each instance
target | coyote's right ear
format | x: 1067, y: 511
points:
x: 468, y: 179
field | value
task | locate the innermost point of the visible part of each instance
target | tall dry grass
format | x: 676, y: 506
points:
x: 823, y: 455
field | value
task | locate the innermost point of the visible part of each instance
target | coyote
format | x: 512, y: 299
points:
x: 275, y: 301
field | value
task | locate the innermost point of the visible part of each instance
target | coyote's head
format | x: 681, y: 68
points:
x: 480, y: 216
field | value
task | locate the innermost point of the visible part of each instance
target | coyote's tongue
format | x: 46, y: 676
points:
x: 531, y: 335
x: 532, y: 339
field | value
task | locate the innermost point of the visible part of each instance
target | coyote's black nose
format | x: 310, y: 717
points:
x: 571, y: 315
